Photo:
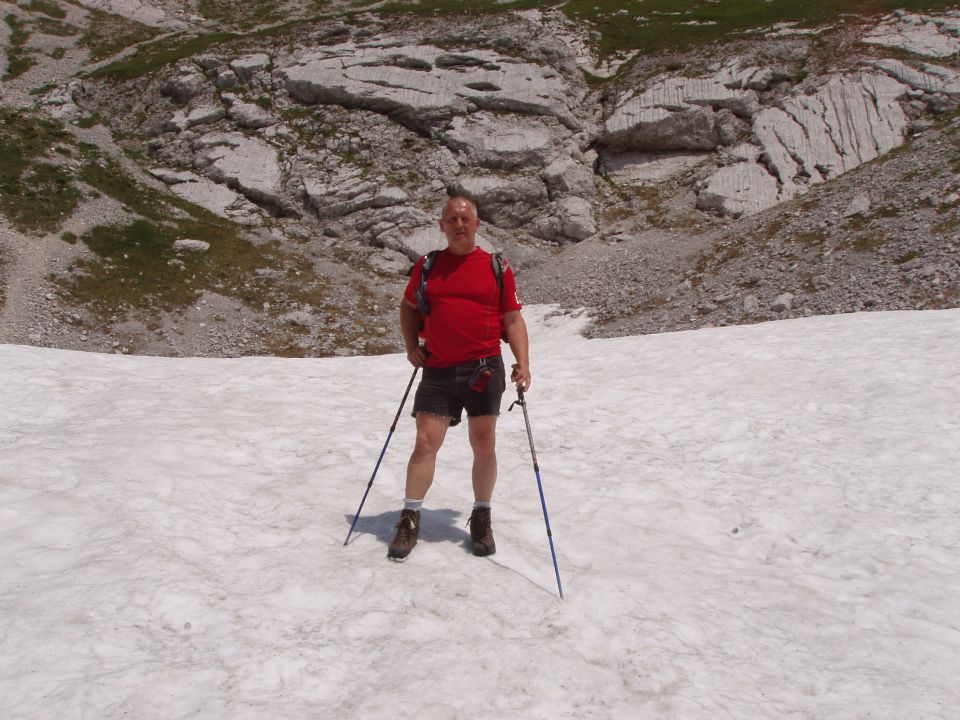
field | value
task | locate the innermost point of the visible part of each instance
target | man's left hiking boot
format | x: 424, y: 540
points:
x: 408, y: 530
x: 481, y: 533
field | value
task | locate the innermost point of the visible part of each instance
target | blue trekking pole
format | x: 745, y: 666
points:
x: 536, y: 469
x: 382, y: 453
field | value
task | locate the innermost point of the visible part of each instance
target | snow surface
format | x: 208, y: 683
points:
x: 751, y: 522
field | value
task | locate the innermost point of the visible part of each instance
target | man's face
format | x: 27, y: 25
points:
x: 459, y: 224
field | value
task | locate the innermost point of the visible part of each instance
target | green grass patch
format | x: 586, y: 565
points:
x: 88, y: 121
x: 35, y: 195
x: 49, y: 26
x: 886, y: 211
x: 107, y: 34
x: 655, y: 26
x: 155, y: 55
x: 18, y: 58
x: 810, y: 239
x: 240, y: 13
x: 947, y: 225
x: 868, y: 242
x: 132, y: 267
x: 50, y: 9
x: 43, y: 89
x: 42, y: 198
x: 458, y: 7
x: 18, y: 30
x: 18, y: 63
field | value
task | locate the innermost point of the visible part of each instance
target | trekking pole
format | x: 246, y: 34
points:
x: 382, y: 453
x: 536, y: 469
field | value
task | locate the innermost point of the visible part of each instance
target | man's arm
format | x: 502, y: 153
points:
x: 515, y: 329
x: 410, y: 328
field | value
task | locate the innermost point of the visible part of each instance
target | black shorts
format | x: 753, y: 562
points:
x: 446, y: 391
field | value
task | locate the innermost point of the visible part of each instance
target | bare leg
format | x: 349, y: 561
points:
x: 431, y: 430
x: 483, y: 441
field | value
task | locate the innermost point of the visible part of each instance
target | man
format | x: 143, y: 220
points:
x: 468, y: 312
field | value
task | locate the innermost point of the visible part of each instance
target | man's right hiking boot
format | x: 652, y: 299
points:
x: 408, y: 530
x: 481, y: 532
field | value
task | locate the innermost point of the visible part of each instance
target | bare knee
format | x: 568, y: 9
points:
x: 430, y: 434
x: 484, y: 444
x: 426, y: 446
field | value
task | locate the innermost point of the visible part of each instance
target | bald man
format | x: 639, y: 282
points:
x: 462, y: 368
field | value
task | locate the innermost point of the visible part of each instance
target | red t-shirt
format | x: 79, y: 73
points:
x: 466, y: 306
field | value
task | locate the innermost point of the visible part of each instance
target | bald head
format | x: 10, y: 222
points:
x: 457, y: 201
x: 459, y: 224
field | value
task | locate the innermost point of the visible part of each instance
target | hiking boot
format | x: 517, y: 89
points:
x: 408, y: 530
x: 481, y: 534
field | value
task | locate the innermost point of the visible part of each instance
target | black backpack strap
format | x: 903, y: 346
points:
x: 421, y: 292
x: 498, y: 263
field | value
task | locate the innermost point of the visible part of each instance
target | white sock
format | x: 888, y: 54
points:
x: 480, y: 504
x: 411, y: 504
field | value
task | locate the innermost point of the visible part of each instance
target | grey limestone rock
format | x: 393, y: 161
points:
x: 783, y: 302
x: 566, y: 176
x: 504, y: 143
x: 248, y: 165
x: 858, y: 206
x: 348, y: 190
x: 569, y: 219
x: 422, y: 86
x: 507, y: 202
x: 932, y: 36
x: 191, y: 246
x: 249, y: 66
x: 301, y: 318
x: 740, y: 189
x: 184, y: 86
x: 252, y: 116
x: 657, y: 128
x: 389, y: 261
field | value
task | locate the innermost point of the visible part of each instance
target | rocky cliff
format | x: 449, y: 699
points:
x: 187, y: 180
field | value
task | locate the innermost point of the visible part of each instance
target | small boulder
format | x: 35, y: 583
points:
x: 191, y: 246
x: 858, y: 206
x: 783, y: 302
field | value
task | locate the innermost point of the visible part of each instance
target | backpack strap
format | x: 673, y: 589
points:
x: 421, y: 292
x: 497, y: 264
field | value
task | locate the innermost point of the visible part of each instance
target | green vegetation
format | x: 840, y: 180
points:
x: 658, y: 26
x: 131, y: 266
x: 88, y: 121
x: 472, y: 7
x: 108, y: 34
x: 155, y: 55
x: 48, y: 26
x: 51, y: 9
x: 240, y: 13
x: 135, y: 267
x: 18, y: 58
x: 34, y: 195
x: 655, y: 26
x: 809, y: 239
x: 869, y: 241
x: 912, y: 255
x: 886, y: 211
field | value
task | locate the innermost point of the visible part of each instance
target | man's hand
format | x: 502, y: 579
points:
x: 521, y: 377
x: 417, y: 356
